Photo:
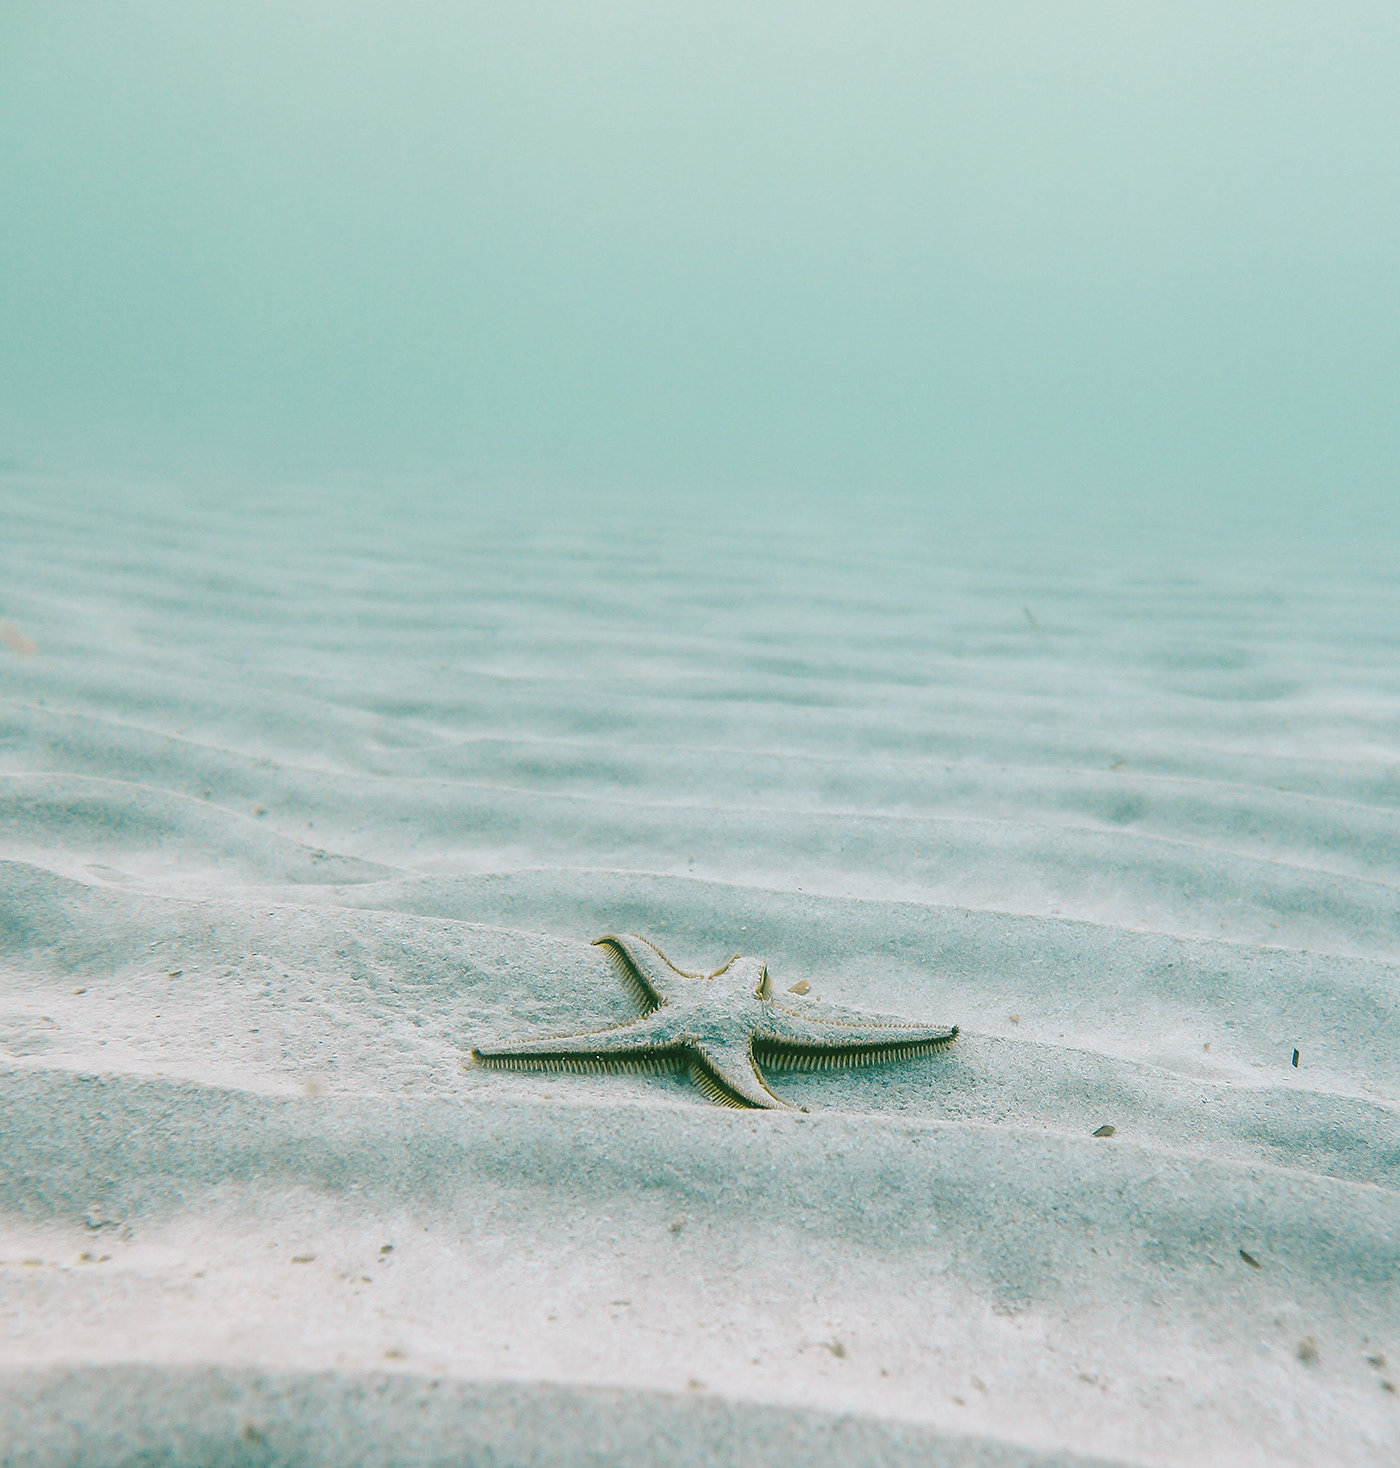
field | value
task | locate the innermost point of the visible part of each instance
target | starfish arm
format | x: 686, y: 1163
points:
x: 642, y: 1041
x: 797, y: 1041
x: 726, y: 1072
x: 643, y: 967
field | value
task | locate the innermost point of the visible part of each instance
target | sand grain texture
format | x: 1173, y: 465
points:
x: 299, y: 800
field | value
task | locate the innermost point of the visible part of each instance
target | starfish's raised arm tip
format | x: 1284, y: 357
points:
x: 622, y: 941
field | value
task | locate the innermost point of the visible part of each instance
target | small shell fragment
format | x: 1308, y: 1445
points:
x: 16, y: 641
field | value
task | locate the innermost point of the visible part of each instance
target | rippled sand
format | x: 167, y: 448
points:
x: 299, y: 799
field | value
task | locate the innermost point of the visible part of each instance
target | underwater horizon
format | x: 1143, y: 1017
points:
x: 884, y: 518
x: 1071, y: 256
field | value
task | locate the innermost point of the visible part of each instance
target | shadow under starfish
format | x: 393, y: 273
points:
x: 722, y: 1027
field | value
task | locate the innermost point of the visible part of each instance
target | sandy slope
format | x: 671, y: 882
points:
x: 299, y: 800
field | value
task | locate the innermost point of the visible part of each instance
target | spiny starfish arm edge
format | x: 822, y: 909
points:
x: 826, y: 1055
x: 640, y: 965
x: 643, y: 955
x: 785, y: 1026
x: 733, y: 1068
x: 651, y: 1060
x: 646, y: 1033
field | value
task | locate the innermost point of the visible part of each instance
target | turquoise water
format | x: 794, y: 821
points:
x: 1127, y: 254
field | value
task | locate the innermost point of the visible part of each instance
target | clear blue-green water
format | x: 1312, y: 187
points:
x: 1123, y: 254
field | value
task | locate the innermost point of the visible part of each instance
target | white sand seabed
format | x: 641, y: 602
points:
x: 298, y: 802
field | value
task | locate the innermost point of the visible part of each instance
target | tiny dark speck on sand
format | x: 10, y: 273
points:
x: 1250, y: 1259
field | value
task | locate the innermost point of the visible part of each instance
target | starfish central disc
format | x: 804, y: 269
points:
x: 722, y: 1027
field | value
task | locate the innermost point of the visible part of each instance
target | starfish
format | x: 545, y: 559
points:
x: 719, y: 1026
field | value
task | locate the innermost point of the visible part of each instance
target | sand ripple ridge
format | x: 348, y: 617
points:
x: 298, y: 802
